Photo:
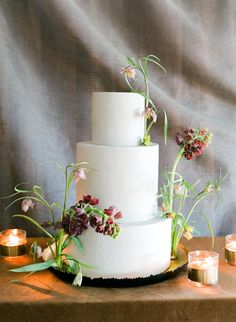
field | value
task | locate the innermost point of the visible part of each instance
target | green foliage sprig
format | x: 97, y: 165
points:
x: 176, y: 189
x: 151, y: 110
x: 68, y: 227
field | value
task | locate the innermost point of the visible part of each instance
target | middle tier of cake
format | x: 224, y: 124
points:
x: 121, y: 176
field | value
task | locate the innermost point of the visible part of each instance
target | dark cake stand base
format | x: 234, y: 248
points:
x: 176, y: 266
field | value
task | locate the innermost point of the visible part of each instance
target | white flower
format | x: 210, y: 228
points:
x: 78, y: 279
x: 79, y: 174
x: 179, y: 189
x: 39, y: 251
x: 26, y: 204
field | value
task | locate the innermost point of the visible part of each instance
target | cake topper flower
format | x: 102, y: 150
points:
x: 134, y: 66
x: 176, y: 190
x: 72, y: 223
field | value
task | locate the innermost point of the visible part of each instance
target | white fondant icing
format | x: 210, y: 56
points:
x: 141, y: 250
x: 117, y: 118
x: 126, y: 177
x: 124, y: 174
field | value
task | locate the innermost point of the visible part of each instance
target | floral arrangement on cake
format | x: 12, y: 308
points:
x: 73, y: 221
x: 176, y: 190
x: 134, y: 66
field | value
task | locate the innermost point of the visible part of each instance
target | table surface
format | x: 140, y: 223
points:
x: 42, y: 296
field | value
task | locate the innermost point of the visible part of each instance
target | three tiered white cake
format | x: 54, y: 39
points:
x: 123, y: 173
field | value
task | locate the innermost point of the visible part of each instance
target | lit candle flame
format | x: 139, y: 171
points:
x: 13, y: 241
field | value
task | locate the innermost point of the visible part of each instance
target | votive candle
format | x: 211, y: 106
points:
x: 13, y: 242
x: 230, y: 249
x: 203, y: 268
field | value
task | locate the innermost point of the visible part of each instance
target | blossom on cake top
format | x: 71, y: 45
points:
x: 79, y: 174
x: 129, y: 71
x: 149, y: 113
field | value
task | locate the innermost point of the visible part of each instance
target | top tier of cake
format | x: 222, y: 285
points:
x: 117, y: 118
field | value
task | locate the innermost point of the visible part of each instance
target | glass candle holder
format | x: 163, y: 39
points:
x: 203, y: 268
x: 13, y: 242
x: 230, y: 249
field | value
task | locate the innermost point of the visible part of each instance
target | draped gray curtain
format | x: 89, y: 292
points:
x: 55, y: 53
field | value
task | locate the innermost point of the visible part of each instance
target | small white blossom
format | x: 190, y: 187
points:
x: 78, y: 279
x: 26, y: 204
x: 179, y: 189
x: 39, y: 251
x: 79, y: 174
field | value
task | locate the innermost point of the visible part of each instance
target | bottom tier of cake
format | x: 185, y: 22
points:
x: 141, y: 250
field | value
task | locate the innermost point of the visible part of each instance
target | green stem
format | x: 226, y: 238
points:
x: 49, y: 207
x: 66, y: 192
x: 171, y: 188
x: 149, y: 127
x: 59, y: 248
x: 193, y: 207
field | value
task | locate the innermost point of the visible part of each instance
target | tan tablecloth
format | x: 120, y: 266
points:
x: 43, y: 297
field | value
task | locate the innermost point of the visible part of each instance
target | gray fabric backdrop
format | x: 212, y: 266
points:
x: 55, y: 53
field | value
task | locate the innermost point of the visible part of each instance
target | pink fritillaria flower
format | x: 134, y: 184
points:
x: 26, y: 204
x: 79, y: 174
x: 129, y: 71
x: 150, y: 113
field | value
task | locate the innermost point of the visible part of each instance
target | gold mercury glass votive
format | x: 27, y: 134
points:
x: 203, y: 268
x: 13, y: 242
x: 230, y: 249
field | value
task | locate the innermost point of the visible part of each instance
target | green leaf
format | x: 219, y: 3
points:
x: 60, y: 167
x: 209, y: 227
x: 66, y: 242
x: 10, y: 196
x: 78, y: 243
x: 72, y: 265
x: 131, y: 61
x: 165, y: 127
x: 38, y: 191
x: 20, y: 190
x: 34, y: 267
x: 187, y: 185
x: 154, y: 62
x: 87, y: 266
x: 51, y: 241
x: 34, y: 222
x: 57, y: 205
x: 155, y: 57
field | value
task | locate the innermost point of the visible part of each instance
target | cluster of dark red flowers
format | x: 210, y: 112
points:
x: 86, y: 213
x: 193, y: 141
